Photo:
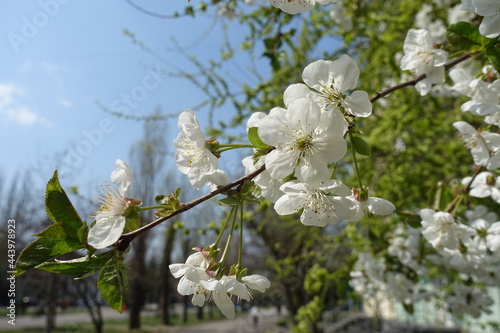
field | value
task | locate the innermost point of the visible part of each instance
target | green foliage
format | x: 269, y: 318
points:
x: 80, y: 266
x: 253, y: 137
x: 112, y: 282
x: 59, y: 207
x: 464, y: 36
x: 65, y: 235
x: 360, y: 145
x: 493, y: 53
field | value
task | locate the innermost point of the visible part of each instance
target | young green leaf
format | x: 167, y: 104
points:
x: 360, y: 145
x: 464, y: 35
x: 58, y: 206
x: 54, y: 241
x: 493, y: 54
x: 112, y: 282
x: 253, y: 137
x: 229, y: 201
x: 79, y: 266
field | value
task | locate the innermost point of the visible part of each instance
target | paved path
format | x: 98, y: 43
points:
x: 61, y: 319
x: 242, y: 324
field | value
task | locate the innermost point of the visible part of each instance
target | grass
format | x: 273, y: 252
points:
x: 149, y: 324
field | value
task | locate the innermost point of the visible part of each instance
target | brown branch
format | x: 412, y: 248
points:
x: 125, y: 239
x: 417, y: 79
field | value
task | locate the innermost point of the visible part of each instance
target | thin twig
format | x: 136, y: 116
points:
x: 417, y: 79
x: 125, y: 239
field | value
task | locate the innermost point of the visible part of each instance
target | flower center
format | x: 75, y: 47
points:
x: 329, y: 96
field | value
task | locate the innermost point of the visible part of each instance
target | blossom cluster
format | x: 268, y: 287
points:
x: 306, y: 138
x: 198, y: 278
x: 465, y: 242
x: 297, y: 145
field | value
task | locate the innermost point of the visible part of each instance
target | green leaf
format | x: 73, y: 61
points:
x: 58, y: 205
x: 112, y: 281
x: 360, y: 145
x: 408, y: 308
x: 229, y: 201
x: 253, y: 137
x: 493, y: 53
x: 411, y: 219
x: 54, y: 241
x: 79, y: 266
x: 132, y: 223
x: 464, y: 35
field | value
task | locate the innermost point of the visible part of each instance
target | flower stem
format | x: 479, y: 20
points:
x: 240, y: 250
x: 230, y: 237
x: 223, y: 228
x: 355, y: 161
x: 125, y: 239
x: 141, y: 209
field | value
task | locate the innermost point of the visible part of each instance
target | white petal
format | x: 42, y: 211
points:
x: 257, y: 282
x: 295, y: 91
x: 224, y: 303
x: 122, y: 177
x: 106, y: 231
x: 294, y: 6
x: 358, y: 104
x: 379, y: 206
x: 346, y: 72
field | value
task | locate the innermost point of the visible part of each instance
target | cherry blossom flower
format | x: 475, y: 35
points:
x: 373, y: 205
x: 297, y: 6
x: 327, y: 82
x: 490, y: 10
x: 484, y: 185
x: 198, y: 280
x: 192, y: 157
x: 420, y: 57
x: 270, y: 188
x: 303, y: 143
x: 481, y: 144
x: 323, y: 205
x: 111, y: 218
x: 488, y: 235
x: 469, y: 300
x: 249, y: 282
x: 480, y: 212
x: 441, y: 230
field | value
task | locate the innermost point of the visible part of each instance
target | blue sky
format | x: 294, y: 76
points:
x: 58, y: 57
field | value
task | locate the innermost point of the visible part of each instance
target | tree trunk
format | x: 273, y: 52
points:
x: 50, y: 304
x: 166, y: 278
x: 137, y: 283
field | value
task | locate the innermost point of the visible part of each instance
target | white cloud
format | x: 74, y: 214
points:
x: 53, y: 71
x: 64, y: 102
x: 11, y: 110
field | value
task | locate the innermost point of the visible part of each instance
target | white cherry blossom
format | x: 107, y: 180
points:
x: 294, y: 6
x: 481, y: 144
x: 249, y: 282
x: 441, y: 230
x: 328, y: 82
x: 421, y: 57
x: 192, y: 157
x: 111, y: 218
x: 490, y: 10
x: 484, y: 185
x: 373, y: 205
x: 322, y: 205
x: 303, y: 143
